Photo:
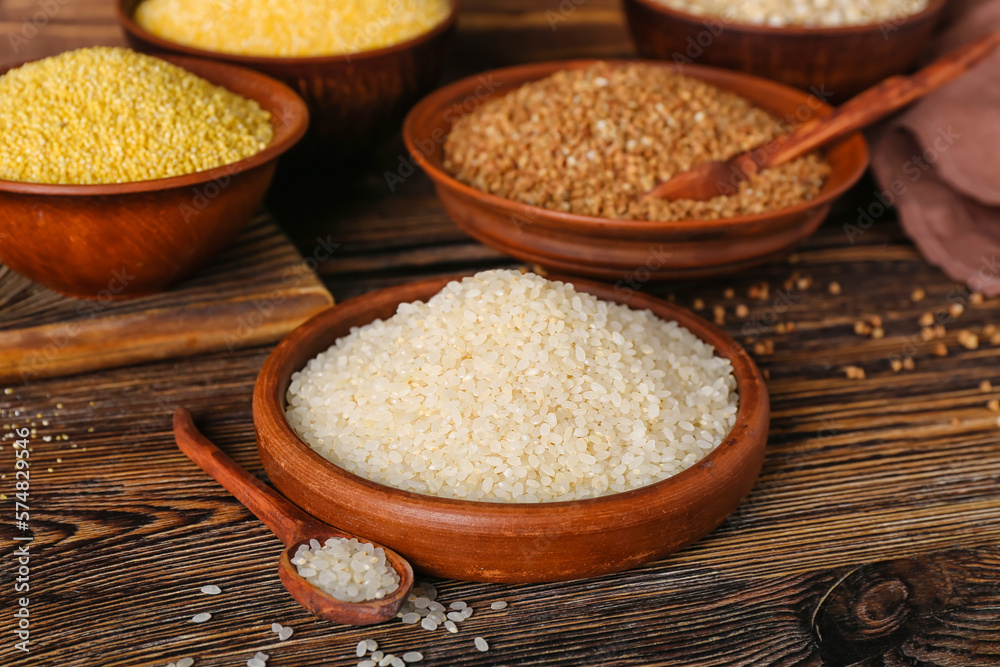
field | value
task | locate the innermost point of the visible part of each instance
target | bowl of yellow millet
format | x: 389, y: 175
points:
x: 358, y: 64
x: 125, y: 172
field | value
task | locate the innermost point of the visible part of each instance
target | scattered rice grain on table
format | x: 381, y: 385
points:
x: 291, y: 28
x: 347, y: 569
x: 812, y: 13
x: 593, y: 141
x: 110, y: 115
x: 509, y: 387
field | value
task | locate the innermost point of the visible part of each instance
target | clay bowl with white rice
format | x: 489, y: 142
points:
x: 504, y: 427
x: 835, y: 48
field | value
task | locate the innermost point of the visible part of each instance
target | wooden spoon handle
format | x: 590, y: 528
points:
x: 880, y: 100
x: 284, y: 519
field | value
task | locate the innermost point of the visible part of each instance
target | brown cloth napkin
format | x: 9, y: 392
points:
x: 939, y: 161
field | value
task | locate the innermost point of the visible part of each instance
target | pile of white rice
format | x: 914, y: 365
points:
x: 347, y: 569
x: 508, y: 387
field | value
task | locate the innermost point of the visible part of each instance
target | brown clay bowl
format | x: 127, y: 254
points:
x: 131, y: 239
x: 630, y: 251
x: 353, y: 99
x: 500, y: 542
x: 841, y: 61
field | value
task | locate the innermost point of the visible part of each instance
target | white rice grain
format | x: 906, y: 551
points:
x: 347, y: 569
x: 508, y: 387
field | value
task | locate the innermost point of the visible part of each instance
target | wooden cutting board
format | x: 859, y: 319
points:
x: 254, y: 293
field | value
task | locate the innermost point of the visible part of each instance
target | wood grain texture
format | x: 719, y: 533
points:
x: 256, y: 292
x: 293, y: 527
x: 889, y: 479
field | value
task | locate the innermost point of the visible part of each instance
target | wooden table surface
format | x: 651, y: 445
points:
x: 871, y: 538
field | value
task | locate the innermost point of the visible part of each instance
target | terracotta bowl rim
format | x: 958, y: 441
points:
x: 932, y: 8
x: 749, y: 415
x: 438, y: 99
x: 131, y: 27
x: 286, y: 136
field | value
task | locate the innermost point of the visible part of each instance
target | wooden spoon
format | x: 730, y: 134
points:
x: 293, y: 527
x: 712, y: 179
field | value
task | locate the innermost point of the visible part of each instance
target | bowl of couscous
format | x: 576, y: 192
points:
x: 835, y: 48
x: 125, y: 172
x: 508, y: 427
x: 553, y: 167
x: 358, y: 64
